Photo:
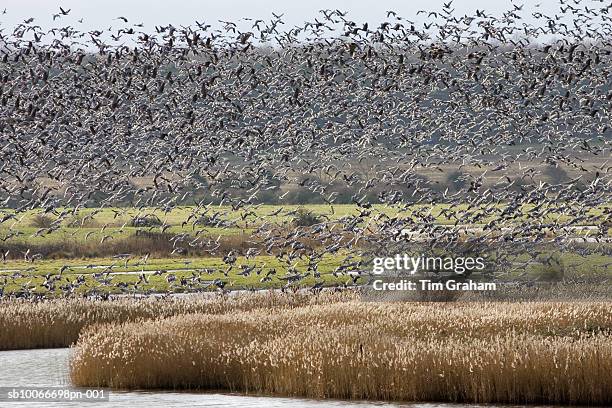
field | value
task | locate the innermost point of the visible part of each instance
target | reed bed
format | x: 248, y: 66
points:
x: 545, y: 352
x: 58, y: 322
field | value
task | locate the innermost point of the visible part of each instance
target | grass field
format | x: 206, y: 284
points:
x: 75, y: 252
x: 100, y: 232
x: 134, y: 275
x: 119, y: 218
x: 115, y: 276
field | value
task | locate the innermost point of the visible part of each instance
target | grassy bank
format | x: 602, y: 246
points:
x: 469, y: 352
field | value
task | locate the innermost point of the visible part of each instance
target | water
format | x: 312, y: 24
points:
x: 49, y: 367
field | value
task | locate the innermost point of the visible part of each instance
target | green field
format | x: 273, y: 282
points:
x: 137, y: 275
x: 115, y: 275
x: 67, y: 251
x: 119, y: 218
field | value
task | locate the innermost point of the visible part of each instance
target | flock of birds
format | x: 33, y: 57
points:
x: 504, y: 120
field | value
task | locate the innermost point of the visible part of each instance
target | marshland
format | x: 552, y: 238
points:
x: 334, y: 345
x: 190, y: 212
x: 475, y: 352
x: 148, y: 250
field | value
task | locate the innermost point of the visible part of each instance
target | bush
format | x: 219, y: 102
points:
x: 268, y: 197
x: 555, y: 175
x: 42, y: 221
x: 206, y: 221
x: 444, y: 295
x: 305, y: 218
x: 553, y: 269
x: 146, y: 221
x: 214, y: 222
x: 456, y: 180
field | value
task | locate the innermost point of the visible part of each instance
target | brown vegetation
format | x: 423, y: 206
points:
x: 156, y: 244
x: 305, y: 218
x: 57, y: 323
x: 471, y: 352
x: 42, y: 221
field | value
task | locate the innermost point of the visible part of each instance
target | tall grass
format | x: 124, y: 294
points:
x: 57, y: 323
x: 469, y: 352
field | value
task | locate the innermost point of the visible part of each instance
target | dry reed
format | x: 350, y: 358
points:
x: 58, y: 322
x: 464, y: 352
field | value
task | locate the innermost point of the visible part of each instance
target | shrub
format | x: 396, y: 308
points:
x: 456, y: 180
x: 42, y: 221
x: 206, y: 221
x: 444, y: 295
x: 553, y: 269
x: 146, y: 221
x: 305, y: 218
x: 302, y: 196
x: 555, y: 175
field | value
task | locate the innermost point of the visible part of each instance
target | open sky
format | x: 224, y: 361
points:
x: 98, y: 14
